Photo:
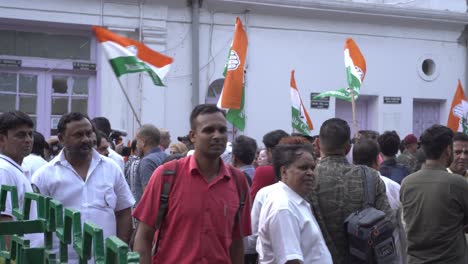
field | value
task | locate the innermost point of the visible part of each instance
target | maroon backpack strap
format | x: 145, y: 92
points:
x: 168, y: 178
x: 241, y: 193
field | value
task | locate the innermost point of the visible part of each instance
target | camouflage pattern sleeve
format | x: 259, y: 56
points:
x: 407, y: 160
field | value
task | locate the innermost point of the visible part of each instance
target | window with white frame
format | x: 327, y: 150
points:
x: 45, y: 83
x: 18, y: 91
x: 69, y: 94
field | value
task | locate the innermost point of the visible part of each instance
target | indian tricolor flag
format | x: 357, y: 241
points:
x: 232, y: 95
x: 458, y: 115
x: 130, y: 56
x: 300, y: 118
x: 355, y: 72
x: 355, y: 66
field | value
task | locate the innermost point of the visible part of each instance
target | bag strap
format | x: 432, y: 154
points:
x: 368, y: 184
x: 169, y: 173
x: 168, y: 177
x: 241, y: 194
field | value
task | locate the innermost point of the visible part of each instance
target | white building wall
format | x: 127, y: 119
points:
x: 442, y: 5
x: 314, y: 48
x: 280, y: 39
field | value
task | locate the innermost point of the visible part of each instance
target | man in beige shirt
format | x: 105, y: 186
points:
x: 435, y: 204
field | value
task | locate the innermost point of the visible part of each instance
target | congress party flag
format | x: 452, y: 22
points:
x: 300, y: 118
x: 233, y: 93
x: 355, y: 72
x: 130, y: 56
x: 458, y: 115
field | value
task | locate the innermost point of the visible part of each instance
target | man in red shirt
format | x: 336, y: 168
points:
x: 201, y: 224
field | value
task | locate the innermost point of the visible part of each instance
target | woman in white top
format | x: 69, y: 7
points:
x: 288, y: 231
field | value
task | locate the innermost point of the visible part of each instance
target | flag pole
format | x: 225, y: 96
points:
x: 353, y: 106
x: 233, y: 133
x: 128, y: 101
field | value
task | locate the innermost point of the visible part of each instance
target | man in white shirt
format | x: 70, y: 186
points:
x: 288, y: 231
x: 103, y: 124
x: 35, y: 160
x: 82, y: 179
x: 16, y: 140
x: 250, y: 242
x: 117, y: 158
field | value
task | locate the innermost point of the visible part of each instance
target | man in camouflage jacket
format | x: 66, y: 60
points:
x: 338, y: 188
x: 408, y: 157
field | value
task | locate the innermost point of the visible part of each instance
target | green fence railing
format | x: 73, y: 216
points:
x: 66, y: 224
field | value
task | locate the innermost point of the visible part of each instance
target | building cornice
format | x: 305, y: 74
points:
x: 350, y: 9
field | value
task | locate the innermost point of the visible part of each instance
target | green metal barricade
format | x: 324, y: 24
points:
x: 66, y: 224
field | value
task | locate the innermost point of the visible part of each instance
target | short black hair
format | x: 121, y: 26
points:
x: 133, y: 146
x: 99, y: 136
x: 369, y: 134
x: 67, y: 118
x: 420, y: 159
x: 307, y: 137
x: 272, y: 138
x: 365, y: 152
x: 459, y: 136
x: 435, y: 139
x: 286, y: 154
x: 39, y: 144
x: 14, y: 119
x: 334, y: 134
x: 389, y: 143
x: 101, y: 123
x: 202, y: 109
x: 244, y: 149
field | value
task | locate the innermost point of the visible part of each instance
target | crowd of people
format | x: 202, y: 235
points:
x: 203, y: 199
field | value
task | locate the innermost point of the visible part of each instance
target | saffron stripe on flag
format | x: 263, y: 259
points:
x: 130, y: 56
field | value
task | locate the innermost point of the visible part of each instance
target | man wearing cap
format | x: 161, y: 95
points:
x: 459, y: 164
x: 408, y: 157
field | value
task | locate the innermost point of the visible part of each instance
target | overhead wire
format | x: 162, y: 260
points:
x: 211, y: 57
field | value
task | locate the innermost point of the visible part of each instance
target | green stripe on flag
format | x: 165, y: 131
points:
x: 131, y: 64
x: 342, y: 94
x: 353, y: 81
x: 297, y: 122
x: 226, y: 64
x: 237, y: 116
